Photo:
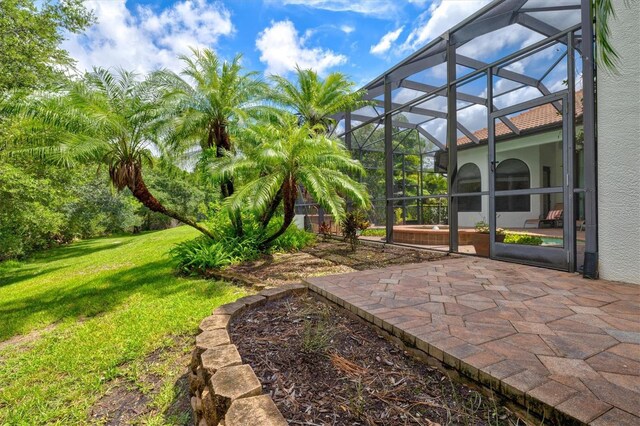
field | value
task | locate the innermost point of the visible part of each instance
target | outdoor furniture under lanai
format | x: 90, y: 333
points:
x: 552, y: 220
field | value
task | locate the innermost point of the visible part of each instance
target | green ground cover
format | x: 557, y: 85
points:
x: 93, y: 313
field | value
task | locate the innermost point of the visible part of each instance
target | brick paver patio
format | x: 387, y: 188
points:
x: 562, y: 346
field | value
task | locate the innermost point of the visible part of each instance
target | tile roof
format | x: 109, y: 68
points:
x: 540, y: 117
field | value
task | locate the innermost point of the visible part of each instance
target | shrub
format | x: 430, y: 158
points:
x: 374, y: 232
x: 325, y: 230
x: 294, y: 239
x: 202, y: 253
x: 530, y: 240
x: 353, y: 223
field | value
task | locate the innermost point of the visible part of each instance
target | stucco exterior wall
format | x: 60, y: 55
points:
x: 618, y: 145
x: 535, y: 151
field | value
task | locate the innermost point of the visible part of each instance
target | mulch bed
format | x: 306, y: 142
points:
x: 324, y: 367
x: 370, y: 255
x: 324, y: 258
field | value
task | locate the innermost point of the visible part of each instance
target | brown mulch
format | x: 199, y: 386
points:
x: 282, y: 268
x: 324, y: 258
x: 324, y: 367
x: 369, y: 255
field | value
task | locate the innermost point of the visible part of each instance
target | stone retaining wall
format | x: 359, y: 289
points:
x: 224, y: 391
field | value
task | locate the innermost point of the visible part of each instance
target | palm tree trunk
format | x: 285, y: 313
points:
x: 289, y: 196
x: 268, y: 214
x: 218, y: 132
x: 142, y: 194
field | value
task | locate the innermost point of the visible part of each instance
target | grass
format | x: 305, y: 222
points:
x: 112, y: 302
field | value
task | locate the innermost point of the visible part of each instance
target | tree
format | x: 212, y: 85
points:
x: 106, y: 119
x: 30, y: 36
x: 314, y: 100
x: 282, y: 156
x: 204, y: 116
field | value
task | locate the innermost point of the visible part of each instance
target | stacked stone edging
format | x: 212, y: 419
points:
x: 224, y: 391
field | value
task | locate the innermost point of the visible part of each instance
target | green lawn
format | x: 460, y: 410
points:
x: 96, y: 310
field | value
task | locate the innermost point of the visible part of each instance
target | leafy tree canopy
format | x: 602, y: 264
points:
x: 30, y: 37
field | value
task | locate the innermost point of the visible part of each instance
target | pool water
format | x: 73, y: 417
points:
x: 551, y: 241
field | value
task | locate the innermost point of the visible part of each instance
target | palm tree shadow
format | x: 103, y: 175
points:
x: 37, y: 265
x: 93, y: 297
x: 25, y: 273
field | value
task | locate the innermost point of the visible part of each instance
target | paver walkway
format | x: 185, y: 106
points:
x: 563, y: 346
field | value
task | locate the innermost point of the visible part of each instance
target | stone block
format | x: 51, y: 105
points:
x: 515, y: 386
x: 219, y: 357
x: 256, y: 410
x: 195, y: 361
x: 231, y: 383
x: 255, y: 300
x: 214, y: 322
x: 296, y: 288
x: 615, y: 417
x: 283, y: 291
x: 230, y: 309
x: 196, y: 381
x: 543, y: 398
x: 583, y: 408
x: 211, y: 338
x: 209, y: 412
x: 196, y: 404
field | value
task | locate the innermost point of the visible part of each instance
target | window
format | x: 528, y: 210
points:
x: 468, y: 180
x: 513, y: 174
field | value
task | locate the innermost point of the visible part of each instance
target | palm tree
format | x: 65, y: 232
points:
x: 284, y: 156
x: 604, y: 12
x: 204, y: 110
x: 105, y: 118
x: 314, y: 100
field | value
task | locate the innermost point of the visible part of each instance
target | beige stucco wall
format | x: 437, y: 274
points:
x: 535, y: 151
x: 619, y: 152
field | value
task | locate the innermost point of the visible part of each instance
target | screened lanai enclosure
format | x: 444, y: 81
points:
x: 491, y: 123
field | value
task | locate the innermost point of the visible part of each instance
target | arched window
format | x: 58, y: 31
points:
x: 468, y: 180
x: 513, y: 174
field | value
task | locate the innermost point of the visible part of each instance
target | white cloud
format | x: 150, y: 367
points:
x: 282, y: 48
x: 386, y: 41
x: 513, y: 37
x: 347, y: 29
x: 378, y: 8
x: 440, y: 17
x: 147, y: 40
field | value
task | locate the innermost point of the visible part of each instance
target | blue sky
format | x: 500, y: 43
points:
x: 359, y: 38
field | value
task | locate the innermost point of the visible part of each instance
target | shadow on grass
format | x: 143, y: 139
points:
x: 94, y: 296
x: 80, y: 249
x: 37, y: 265
x: 179, y: 410
x: 9, y: 277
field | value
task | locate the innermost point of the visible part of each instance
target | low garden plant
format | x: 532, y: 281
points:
x: 227, y: 248
x: 529, y: 240
x: 353, y: 224
x: 374, y: 232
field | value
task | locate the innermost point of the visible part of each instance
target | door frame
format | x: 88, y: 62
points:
x: 549, y: 257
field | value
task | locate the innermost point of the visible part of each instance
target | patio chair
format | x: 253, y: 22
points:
x: 553, y: 219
